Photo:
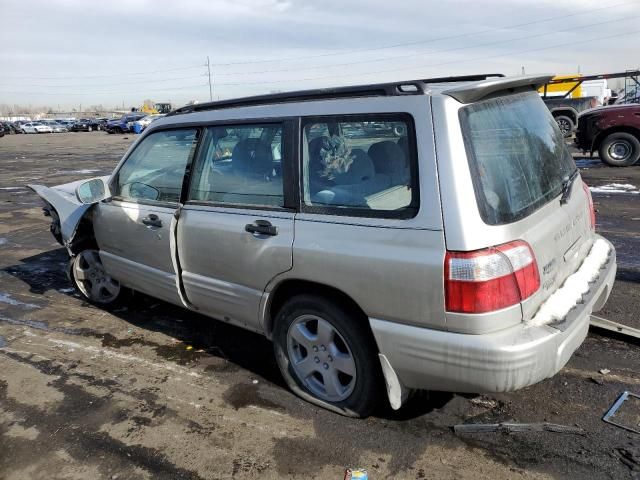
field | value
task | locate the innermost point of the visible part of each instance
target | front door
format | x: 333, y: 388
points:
x: 235, y: 232
x: 134, y: 228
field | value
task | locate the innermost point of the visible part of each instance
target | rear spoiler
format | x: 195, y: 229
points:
x: 473, y: 92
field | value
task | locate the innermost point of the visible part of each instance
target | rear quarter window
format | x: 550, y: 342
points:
x: 517, y: 156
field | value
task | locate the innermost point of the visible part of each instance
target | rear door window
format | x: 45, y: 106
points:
x: 360, y: 165
x: 241, y: 165
x: 517, y: 156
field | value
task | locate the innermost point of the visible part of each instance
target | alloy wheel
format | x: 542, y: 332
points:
x: 92, y: 279
x: 320, y: 358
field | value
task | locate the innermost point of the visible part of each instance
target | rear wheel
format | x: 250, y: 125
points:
x: 327, y: 356
x: 620, y: 149
x: 565, y: 124
x: 91, y: 279
x: 89, y: 129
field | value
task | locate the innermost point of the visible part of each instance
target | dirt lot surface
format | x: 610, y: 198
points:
x: 153, y: 391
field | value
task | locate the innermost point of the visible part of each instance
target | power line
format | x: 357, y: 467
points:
x: 395, y: 57
x: 436, y: 39
x: 104, y: 84
x: 117, y: 92
x: 413, y: 67
x: 149, y: 72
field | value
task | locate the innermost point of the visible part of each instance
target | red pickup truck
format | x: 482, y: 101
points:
x: 614, y: 131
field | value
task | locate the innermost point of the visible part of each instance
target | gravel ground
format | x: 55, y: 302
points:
x: 153, y: 391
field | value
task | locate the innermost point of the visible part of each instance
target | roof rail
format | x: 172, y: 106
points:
x: 476, y: 91
x: 409, y: 87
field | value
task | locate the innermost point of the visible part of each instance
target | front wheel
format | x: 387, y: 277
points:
x: 620, y: 149
x: 327, y: 356
x: 92, y: 281
x: 89, y: 129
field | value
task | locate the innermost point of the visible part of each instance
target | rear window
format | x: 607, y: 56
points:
x: 517, y: 155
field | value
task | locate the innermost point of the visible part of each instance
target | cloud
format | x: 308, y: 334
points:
x: 73, y: 50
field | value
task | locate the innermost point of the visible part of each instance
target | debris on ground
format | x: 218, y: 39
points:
x: 516, y: 428
x: 613, y: 411
x: 488, y: 403
x: 604, y: 371
x: 356, y: 474
x: 616, y: 327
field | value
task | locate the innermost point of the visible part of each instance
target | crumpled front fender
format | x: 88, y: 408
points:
x: 70, y: 211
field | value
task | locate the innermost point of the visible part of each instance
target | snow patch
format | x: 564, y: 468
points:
x: 6, y: 298
x: 12, y: 188
x: 557, y: 306
x: 615, y: 188
x: 3, y: 241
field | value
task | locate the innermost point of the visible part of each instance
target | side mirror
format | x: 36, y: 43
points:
x: 92, y: 191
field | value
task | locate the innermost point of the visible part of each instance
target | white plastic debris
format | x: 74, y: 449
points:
x: 604, y: 371
x: 557, y: 306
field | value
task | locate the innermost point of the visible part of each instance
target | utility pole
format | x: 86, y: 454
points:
x: 209, y: 72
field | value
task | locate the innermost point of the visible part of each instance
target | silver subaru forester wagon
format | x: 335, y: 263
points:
x: 430, y: 234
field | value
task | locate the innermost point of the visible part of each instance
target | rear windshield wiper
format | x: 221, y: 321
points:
x: 566, y: 186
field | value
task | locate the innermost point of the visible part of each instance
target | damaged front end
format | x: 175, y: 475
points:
x: 66, y: 211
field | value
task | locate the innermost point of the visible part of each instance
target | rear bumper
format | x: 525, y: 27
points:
x: 502, y: 361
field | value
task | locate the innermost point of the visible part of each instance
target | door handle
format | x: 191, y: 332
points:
x: 263, y: 227
x: 152, y: 220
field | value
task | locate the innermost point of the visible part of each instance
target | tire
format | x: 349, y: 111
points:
x: 90, y: 279
x: 327, y: 356
x: 620, y: 149
x: 89, y: 129
x: 565, y: 124
x: 398, y: 130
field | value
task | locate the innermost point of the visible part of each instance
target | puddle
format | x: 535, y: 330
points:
x: 179, y: 353
x: 243, y: 395
x: 27, y: 323
x: 3, y: 241
x: 7, y: 299
x: 2, y: 342
x: 587, y: 163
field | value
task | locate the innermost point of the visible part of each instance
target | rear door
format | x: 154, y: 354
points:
x: 519, y: 162
x: 133, y: 229
x: 235, y: 232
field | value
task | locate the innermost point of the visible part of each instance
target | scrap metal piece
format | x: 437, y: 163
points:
x: 614, y: 408
x: 605, y: 324
x: 516, y: 428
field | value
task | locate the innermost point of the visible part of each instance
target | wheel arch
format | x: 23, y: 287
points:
x: 597, y: 141
x: 290, y: 287
x: 572, y: 113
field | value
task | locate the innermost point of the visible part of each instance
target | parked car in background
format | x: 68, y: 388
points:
x: 450, y: 245
x: 144, y: 122
x: 123, y: 124
x: 36, y: 127
x: 56, y: 127
x: 613, y: 131
x: 10, y: 128
x: 2, y: 130
x: 566, y: 111
x: 86, y: 125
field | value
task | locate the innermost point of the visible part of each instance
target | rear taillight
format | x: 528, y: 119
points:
x: 592, y: 211
x: 490, y: 279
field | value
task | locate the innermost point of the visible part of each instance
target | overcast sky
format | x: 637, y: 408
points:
x: 72, y: 52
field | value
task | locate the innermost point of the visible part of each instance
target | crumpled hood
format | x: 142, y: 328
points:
x: 69, y: 209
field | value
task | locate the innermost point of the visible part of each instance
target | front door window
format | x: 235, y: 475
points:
x: 155, y: 169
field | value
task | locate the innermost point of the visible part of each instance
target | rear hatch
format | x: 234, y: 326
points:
x: 526, y: 182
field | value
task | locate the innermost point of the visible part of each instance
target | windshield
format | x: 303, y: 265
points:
x: 517, y: 155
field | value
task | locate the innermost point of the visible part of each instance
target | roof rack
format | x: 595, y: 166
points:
x: 410, y: 87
